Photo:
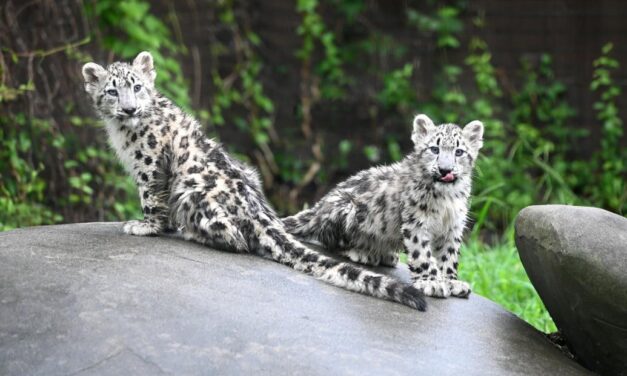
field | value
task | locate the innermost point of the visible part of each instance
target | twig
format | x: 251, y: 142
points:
x: 197, y: 75
x: 266, y: 174
x: 44, y: 53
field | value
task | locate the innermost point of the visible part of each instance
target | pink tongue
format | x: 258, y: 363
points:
x: 448, y: 177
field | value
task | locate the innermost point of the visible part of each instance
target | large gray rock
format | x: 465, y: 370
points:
x: 86, y: 299
x: 576, y: 258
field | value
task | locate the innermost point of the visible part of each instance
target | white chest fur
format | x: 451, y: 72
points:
x: 119, y: 141
x: 450, y: 214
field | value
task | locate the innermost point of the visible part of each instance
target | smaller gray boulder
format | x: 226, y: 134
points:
x: 576, y: 258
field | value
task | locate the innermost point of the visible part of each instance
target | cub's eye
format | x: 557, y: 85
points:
x: 459, y: 152
x: 112, y: 92
x: 137, y: 88
x: 435, y: 149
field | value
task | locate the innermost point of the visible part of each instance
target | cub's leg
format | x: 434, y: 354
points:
x: 448, y: 257
x: 422, y: 264
x: 153, y: 200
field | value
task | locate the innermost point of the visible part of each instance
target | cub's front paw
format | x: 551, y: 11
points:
x: 435, y: 288
x: 141, y: 228
x: 458, y: 288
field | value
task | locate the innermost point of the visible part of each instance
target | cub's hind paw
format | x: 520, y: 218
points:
x: 459, y: 289
x: 434, y: 288
x: 361, y: 257
x: 390, y: 259
x: 141, y: 228
x: 372, y: 259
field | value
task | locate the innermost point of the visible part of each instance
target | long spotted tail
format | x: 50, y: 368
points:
x: 277, y: 244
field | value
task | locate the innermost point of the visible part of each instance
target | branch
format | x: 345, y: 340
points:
x: 44, y: 53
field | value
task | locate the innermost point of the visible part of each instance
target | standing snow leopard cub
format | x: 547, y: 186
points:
x: 187, y: 181
x: 418, y: 204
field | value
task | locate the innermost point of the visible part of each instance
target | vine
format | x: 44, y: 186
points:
x: 240, y: 95
x: 611, y: 189
x: 324, y: 80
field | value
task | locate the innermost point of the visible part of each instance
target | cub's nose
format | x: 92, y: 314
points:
x: 445, y: 171
x: 130, y: 110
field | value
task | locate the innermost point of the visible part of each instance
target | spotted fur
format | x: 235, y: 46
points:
x: 188, y: 182
x: 418, y: 205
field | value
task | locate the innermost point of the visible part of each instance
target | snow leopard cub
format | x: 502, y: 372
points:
x: 418, y: 204
x: 187, y: 181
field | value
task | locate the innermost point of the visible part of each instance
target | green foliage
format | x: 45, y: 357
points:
x: 85, y: 177
x: 444, y: 23
x: 8, y: 93
x: 525, y: 150
x: 247, y: 93
x: 24, y: 197
x: 528, y: 159
x: 611, y: 189
x: 96, y: 179
x: 313, y: 30
x: 240, y: 96
x: 22, y: 189
x: 480, y: 61
x: 397, y: 90
x: 532, y: 162
x: 373, y: 153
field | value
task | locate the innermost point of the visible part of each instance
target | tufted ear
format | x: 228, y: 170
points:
x: 422, y: 126
x: 473, y: 133
x: 93, y: 73
x: 143, y: 63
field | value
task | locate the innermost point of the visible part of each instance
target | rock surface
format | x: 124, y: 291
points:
x: 576, y: 258
x: 86, y: 299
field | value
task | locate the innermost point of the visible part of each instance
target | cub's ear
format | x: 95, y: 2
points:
x: 143, y: 63
x: 422, y: 126
x: 93, y: 73
x: 473, y: 133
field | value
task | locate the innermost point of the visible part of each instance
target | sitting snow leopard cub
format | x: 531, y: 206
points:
x: 187, y: 181
x: 419, y: 204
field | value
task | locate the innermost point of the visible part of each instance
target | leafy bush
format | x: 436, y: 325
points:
x: 22, y: 189
x: 610, y: 191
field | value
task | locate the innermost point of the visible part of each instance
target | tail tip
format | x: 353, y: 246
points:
x: 414, y: 298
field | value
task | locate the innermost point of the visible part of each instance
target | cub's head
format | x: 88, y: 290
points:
x: 121, y: 91
x: 446, y: 152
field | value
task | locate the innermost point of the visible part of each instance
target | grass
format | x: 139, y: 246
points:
x: 496, y: 273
